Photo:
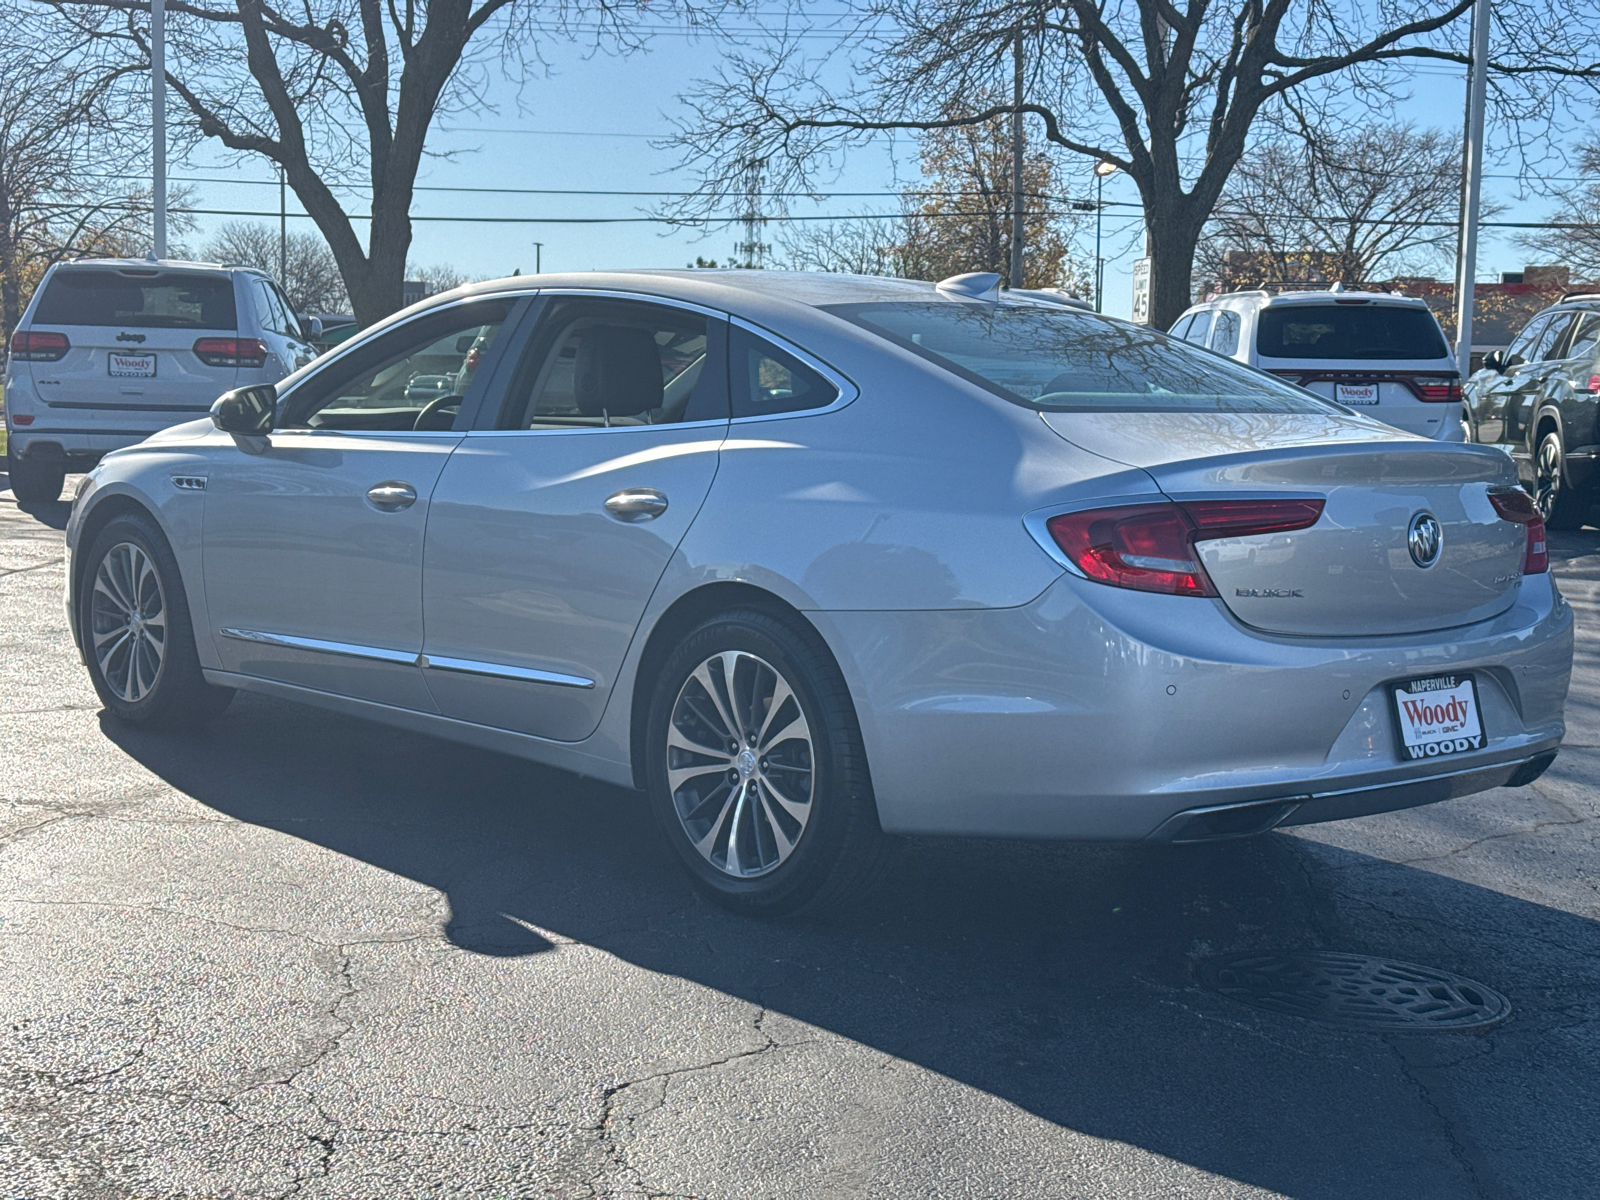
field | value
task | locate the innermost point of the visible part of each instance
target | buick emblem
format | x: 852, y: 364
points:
x: 1424, y: 539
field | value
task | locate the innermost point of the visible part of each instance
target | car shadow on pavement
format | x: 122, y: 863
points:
x: 1059, y: 978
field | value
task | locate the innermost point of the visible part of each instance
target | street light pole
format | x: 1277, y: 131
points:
x: 158, y: 128
x: 1101, y: 170
x: 283, y: 230
x: 538, y: 258
x: 1017, y: 209
x: 1467, y: 269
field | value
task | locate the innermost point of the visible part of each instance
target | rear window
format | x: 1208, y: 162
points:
x: 1059, y: 360
x: 159, y: 300
x: 1345, y: 331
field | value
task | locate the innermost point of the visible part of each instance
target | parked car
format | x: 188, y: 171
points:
x: 109, y: 351
x: 1536, y: 400
x: 815, y: 559
x: 1375, y: 351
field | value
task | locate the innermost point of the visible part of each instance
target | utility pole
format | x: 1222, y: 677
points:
x: 538, y: 258
x: 283, y: 230
x: 1467, y: 268
x: 158, y: 128
x: 1017, y: 200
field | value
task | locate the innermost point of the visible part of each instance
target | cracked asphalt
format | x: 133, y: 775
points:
x: 300, y: 955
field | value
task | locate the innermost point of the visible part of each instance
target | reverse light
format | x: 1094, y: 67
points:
x: 28, y: 346
x: 1151, y: 547
x: 1514, y: 504
x: 231, y: 352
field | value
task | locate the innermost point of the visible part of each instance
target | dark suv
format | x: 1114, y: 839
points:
x: 1537, y: 400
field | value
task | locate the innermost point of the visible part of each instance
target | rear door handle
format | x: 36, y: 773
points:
x: 636, y: 504
x: 391, y: 495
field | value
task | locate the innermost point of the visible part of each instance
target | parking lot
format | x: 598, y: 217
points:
x: 303, y: 955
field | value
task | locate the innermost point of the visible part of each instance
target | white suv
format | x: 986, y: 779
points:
x: 109, y: 351
x: 1376, y: 352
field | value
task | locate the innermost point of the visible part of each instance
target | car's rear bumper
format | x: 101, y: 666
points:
x: 1099, y: 713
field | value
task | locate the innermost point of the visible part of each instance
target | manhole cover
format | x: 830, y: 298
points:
x: 1354, y: 991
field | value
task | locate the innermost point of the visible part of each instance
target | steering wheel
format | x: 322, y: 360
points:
x: 431, y: 407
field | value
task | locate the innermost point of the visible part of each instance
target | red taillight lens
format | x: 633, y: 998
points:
x: 231, y: 352
x: 1517, y: 505
x: 28, y: 346
x: 1150, y: 547
x: 1438, y: 391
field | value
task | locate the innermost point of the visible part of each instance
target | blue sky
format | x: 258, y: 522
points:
x: 590, y: 125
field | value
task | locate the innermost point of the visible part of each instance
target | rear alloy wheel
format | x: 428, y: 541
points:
x: 757, y: 772
x: 1552, y: 491
x: 34, y: 482
x: 133, y: 618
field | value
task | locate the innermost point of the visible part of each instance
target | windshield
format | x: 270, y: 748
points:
x: 1059, y: 360
x: 1346, y: 331
x: 138, y: 300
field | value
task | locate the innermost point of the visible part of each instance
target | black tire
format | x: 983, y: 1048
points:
x: 839, y: 849
x: 1563, y: 507
x: 173, y: 693
x: 34, y: 482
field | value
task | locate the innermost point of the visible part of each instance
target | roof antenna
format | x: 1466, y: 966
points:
x: 977, y: 285
x: 1337, y: 286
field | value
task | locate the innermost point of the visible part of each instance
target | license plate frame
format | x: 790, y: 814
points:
x: 128, y: 369
x: 1356, y: 395
x: 1417, y: 738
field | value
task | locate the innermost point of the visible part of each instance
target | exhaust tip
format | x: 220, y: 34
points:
x: 1226, y: 821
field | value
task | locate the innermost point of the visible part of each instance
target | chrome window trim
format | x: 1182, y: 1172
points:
x: 646, y: 297
x: 847, y: 389
x: 468, y: 666
x: 719, y: 421
x: 320, y: 645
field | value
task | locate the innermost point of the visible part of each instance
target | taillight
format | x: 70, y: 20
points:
x: 29, y: 346
x: 1438, y: 391
x: 1514, y: 504
x: 231, y: 352
x: 1150, y: 547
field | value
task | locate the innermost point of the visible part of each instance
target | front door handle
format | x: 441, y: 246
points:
x: 636, y: 504
x: 391, y: 495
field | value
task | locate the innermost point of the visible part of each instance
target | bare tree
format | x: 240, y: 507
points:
x: 311, y: 280
x: 58, y: 122
x: 1379, y: 202
x: 1167, y: 92
x: 1575, y: 240
x: 328, y: 89
x: 860, y: 245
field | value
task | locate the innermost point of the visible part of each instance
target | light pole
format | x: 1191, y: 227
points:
x: 538, y: 258
x: 1101, y: 170
x: 1467, y: 269
x: 158, y: 129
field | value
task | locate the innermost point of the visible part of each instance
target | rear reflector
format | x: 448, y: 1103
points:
x: 22, y: 418
x: 1150, y: 547
x: 231, y: 352
x: 1514, y: 504
x: 28, y: 346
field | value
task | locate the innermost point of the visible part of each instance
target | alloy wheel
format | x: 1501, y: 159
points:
x: 740, y: 764
x: 1547, y: 477
x: 128, y: 622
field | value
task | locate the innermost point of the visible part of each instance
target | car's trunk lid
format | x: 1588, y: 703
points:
x: 1353, y: 572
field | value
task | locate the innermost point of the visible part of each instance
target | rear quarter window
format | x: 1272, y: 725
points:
x: 153, y: 300
x: 1349, y: 331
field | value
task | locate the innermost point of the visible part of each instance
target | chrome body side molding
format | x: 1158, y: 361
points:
x: 468, y: 666
x: 345, y: 649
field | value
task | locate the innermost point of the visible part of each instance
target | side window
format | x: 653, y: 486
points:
x: 1518, y: 351
x: 767, y: 380
x: 291, y: 323
x: 1225, y: 337
x: 1181, y: 329
x: 1585, y: 339
x: 269, y: 310
x: 1201, y: 327
x: 602, y: 364
x: 1549, y: 344
x: 413, y: 377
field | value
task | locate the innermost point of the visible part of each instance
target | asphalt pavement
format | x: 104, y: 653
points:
x: 301, y: 955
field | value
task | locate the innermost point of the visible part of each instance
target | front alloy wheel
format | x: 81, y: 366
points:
x: 756, y: 769
x: 1560, y: 507
x: 128, y: 622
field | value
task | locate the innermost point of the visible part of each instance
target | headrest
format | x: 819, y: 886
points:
x: 617, y: 371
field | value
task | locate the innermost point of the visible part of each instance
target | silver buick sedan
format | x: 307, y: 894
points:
x: 812, y: 560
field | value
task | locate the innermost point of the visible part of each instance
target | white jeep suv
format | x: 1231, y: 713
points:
x: 109, y: 351
x: 1377, y: 352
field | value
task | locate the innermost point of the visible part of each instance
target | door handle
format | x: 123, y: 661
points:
x: 636, y: 504
x: 391, y: 496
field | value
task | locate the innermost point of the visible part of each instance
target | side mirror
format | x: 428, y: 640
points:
x: 464, y: 343
x: 312, y: 329
x: 246, y: 411
x: 1495, y: 361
